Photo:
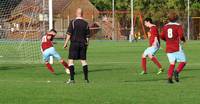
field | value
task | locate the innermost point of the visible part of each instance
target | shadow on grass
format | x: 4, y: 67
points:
x: 192, y: 69
x: 19, y: 67
x: 11, y: 67
x: 100, y: 70
x: 90, y: 71
x: 60, y: 73
x: 154, y: 80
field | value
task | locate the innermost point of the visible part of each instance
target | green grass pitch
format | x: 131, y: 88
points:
x: 114, y: 75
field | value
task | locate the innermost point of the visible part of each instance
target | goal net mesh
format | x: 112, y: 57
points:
x: 22, y: 24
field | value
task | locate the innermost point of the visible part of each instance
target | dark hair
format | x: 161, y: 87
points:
x: 53, y: 30
x: 173, y: 16
x: 148, y: 20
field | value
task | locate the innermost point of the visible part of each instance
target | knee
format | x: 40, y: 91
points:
x: 46, y: 62
x: 143, y: 56
x: 184, y: 62
x: 70, y: 62
x: 172, y: 63
x: 61, y: 61
x: 83, y: 62
x: 150, y: 56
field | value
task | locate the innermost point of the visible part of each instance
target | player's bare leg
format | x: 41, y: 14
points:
x: 49, y: 67
x: 71, y: 69
x: 143, y: 64
x: 155, y: 60
x: 85, y: 70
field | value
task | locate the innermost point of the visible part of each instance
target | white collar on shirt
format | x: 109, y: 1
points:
x: 173, y: 23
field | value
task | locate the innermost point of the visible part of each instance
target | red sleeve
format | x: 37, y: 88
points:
x: 162, y: 34
x: 154, y: 31
x: 52, y: 37
x: 180, y: 33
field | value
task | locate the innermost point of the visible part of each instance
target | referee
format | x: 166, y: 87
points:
x: 78, y: 34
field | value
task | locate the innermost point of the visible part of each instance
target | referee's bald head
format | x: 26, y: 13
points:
x: 79, y: 12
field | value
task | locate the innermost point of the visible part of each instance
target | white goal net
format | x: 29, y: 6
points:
x: 22, y: 24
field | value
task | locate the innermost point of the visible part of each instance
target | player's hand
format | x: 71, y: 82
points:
x: 65, y: 46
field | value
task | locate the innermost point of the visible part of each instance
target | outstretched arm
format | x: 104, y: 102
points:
x: 69, y: 33
x: 87, y: 34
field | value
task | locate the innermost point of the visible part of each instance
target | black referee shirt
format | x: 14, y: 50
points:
x: 79, y: 30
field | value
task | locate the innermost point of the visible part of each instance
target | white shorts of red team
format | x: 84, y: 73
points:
x: 50, y: 52
x: 178, y: 56
x: 150, y: 51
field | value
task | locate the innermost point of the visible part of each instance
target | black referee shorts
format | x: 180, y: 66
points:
x: 77, y: 51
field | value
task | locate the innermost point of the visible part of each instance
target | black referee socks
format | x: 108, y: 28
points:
x: 71, y: 69
x: 85, y: 71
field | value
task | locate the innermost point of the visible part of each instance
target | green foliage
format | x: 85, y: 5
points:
x: 195, y: 5
x: 102, y: 4
x: 157, y: 9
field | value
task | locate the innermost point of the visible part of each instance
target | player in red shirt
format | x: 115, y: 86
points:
x: 48, y: 50
x: 154, y: 45
x: 172, y: 33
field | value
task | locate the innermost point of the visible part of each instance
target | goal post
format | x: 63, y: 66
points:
x: 131, y: 35
x: 50, y: 23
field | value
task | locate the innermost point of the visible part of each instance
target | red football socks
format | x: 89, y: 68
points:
x: 50, y: 67
x: 155, y: 60
x: 180, y: 66
x: 171, y: 71
x: 65, y: 64
x: 144, y: 66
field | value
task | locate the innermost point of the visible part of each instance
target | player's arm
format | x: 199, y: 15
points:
x: 67, y: 40
x: 148, y: 34
x: 154, y: 32
x: 69, y: 33
x: 52, y: 39
x: 87, y: 35
x: 162, y: 34
x: 155, y: 42
x: 181, y: 34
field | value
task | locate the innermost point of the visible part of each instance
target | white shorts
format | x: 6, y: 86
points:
x: 50, y: 52
x: 151, y: 50
x: 176, y: 56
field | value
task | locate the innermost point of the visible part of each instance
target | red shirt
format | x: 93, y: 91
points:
x: 154, y: 34
x: 172, y: 33
x: 46, y: 43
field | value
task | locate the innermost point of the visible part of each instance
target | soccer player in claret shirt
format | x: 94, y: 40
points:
x: 154, y: 45
x: 172, y: 33
x: 48, y: 50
